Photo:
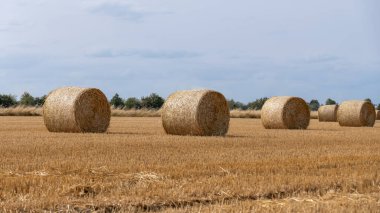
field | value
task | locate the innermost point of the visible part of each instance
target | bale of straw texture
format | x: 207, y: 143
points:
x: 356, y: 114
x: 196, y: 112
x: 237, y: 113
x: 377, y: 114
x: 74, y: 109
x: 328, y: 113
x: 285, y: 113
x: 314, y: 115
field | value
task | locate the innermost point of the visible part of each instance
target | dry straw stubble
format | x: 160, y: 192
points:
x: 196, y: 112
x: 75, y: 109
x: 356, y: 114
x: 285, y: 112
x: 328, y: 113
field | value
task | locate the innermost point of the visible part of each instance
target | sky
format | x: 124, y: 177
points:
x: 245, y: 49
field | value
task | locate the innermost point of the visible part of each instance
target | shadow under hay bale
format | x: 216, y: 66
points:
x: 74, y: 109
x: 356, y: 114
x: 285, y: 113
x: 328, y: 113
x: 196, y: 112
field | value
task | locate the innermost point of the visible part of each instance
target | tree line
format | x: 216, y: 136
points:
x: 152, y: 101
x: 314, y: 104
x: 258, y: 104
x: 26, y: 99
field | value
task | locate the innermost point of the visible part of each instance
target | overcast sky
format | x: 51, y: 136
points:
x: 245, y: 49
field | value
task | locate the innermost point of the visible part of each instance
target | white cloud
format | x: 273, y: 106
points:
x: 147, y: 54
x: 123, y: 11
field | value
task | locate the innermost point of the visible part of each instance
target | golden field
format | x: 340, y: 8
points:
x: 137, y: 167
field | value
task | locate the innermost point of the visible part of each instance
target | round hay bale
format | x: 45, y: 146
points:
x: 328, y: 113
x: 314, y: 115
x: 74, y: 109
x: 356, y: 114
x: 285, y: 113
x: 377, y: 114
x: 196, y: 112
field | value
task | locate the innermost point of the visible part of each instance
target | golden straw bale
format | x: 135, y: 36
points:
x: 356, y: 114
x: 74, y: 109
x: 285, y: 113
x: 328, y: 113
x: 237, y: 113
x: 196, y: 112
x: 314, y: 115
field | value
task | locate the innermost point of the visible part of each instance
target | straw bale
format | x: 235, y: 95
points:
x: 356, y: 114
x: 314, y: 115
x: 196, y: 112
x: 328, y: 113
x: 75, y: 109
x: 285, y: 112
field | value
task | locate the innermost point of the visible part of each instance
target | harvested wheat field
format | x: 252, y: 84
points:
x: 137, y: 167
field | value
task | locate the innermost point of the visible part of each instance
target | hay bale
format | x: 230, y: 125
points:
x: 285, y: 113
x: 356, y: 114
x: 328, y: 113
x: 377, y: 114
x: 238, y: 113
x: 196, y: 112
x: 314, y: 115
x: 74, y: 109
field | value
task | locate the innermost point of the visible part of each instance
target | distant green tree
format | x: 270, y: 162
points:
x: 26, y: 99
x: 236, y: 105
x: 257, y: 104
x: 39, y: 101
x: 314, y: 105
x: 117, y: 102
x: 132, y: 103
x: 330, y: 101
x: 153, y: 101
x: 368, y: 100
x: 231, y: 104
x: 7, y: 100
x: 378, y: 107
x: 240, y: 105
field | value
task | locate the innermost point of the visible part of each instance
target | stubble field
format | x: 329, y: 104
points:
x: 137, y: 167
